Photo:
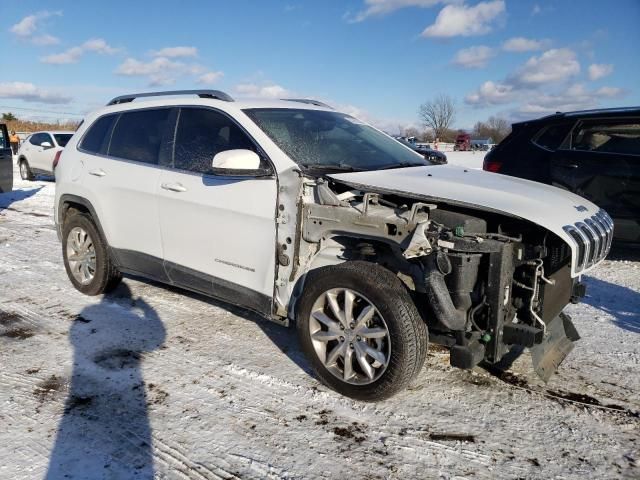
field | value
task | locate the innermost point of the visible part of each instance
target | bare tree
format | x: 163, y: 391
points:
x: 438, y: 114
x: 495, y: 128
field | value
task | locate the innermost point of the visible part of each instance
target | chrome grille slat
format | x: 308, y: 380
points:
x: 604, y: 237
x: 589, y: 240
x: 593, y: 238
x: 600, y: 237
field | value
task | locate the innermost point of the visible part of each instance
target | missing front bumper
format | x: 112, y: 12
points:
x: 557, y: 344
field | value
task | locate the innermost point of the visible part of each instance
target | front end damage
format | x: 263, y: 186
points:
x: 484, y: 282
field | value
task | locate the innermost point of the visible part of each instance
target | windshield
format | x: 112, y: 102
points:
x: 63, y: 138
x: 333, y: 141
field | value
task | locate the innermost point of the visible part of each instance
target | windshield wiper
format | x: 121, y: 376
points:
x: 401, y: 165
x: 341, y: 167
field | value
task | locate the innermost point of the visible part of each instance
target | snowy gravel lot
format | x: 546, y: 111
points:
x: 152, y: 382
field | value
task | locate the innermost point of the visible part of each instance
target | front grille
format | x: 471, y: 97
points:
x: 593, y: 239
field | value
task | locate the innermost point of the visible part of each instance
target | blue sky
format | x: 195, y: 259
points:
x: 378, y: 59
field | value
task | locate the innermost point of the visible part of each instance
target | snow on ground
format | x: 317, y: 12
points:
x: 152, y: 382
x: 466, y: 159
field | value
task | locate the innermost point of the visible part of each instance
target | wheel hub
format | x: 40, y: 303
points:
x: 350, y: 336
x: 81, y: 255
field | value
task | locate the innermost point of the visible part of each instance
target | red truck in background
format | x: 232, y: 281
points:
x: 463, y: 142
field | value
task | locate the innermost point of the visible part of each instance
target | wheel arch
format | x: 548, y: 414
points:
x: 68, y: 202
x: 341, y: 249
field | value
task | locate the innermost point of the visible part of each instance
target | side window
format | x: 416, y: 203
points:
x: 622, y: 137
x: 138, y: 135
x: 201, y: 134
x: 47, y: 138
x: 96, y: 140
x: 36, y: 139
x: 552, y: 137
x: 4, y: 142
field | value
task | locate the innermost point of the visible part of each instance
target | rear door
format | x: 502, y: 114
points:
x: 600, y: 161
x: 121, y: 176
x: 6, y: 163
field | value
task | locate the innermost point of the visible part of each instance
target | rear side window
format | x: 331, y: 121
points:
x: 552, y: 137
x: 62, y: 138
x: 138, y: 135
x: 621, y: 137
x: 202, y: 133
x: 96, y: 140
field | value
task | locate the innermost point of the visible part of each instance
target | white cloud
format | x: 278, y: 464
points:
x: 133, y: 67
x: 461, y: 20
x: 535, y: 103
x: 98, y: 45
x: 270, y: 91
x: 521, y: 44
x: 73, y: 54
x: 473, y: 57
x: 28, y: 92
x: 45, y: 40
x: 27, y: 29
x: 609, y: 92
x: 555, y: 65
x: 599, y: 70
x: 384, y: 7
x: 209, y: 78
x: 165, y: 71
x: 176, y: 52
x: 491, y: 93
x: 576, y: 97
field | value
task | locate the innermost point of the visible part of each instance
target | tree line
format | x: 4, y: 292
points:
x: 438, y: 115
x: 14, y: 123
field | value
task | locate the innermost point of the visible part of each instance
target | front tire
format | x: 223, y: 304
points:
x: 361, y: 331
x: 25, y: 170
x: 86, y: 259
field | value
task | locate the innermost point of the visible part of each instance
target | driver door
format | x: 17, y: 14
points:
x: 218, y: 232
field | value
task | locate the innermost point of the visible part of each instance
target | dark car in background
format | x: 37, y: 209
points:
x: 6, y: 161
x: 434, y: 156
x: 594, y: 153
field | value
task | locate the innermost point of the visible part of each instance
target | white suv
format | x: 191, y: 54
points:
x: 299, y: 212
x: 40, y: 151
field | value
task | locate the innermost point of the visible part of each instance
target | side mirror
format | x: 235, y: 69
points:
x: 46, y: 145
x: 238, y: 162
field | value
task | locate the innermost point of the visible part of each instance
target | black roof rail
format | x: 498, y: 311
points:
x: 308, y: 101
x: 215, y: 94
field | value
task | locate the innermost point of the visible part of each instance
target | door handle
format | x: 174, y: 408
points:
x: 98, y: 173
x: 569, y: 165
x: 174, y: 187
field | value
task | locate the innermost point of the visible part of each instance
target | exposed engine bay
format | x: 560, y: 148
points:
x: 483, y: 282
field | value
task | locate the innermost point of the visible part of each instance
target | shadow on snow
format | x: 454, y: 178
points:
x: 105, y: 431
x: 622, y: 303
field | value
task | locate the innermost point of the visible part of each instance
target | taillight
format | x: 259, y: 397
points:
x: 490, y: 166
x: 56, y: 159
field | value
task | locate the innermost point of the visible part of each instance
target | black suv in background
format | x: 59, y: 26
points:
x: 594, y: 153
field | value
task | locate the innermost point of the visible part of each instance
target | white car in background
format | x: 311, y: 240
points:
x: 40, y: 151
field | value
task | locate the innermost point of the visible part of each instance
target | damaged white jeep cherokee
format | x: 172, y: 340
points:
x: 296, y: 211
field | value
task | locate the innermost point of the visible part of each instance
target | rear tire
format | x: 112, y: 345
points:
x: 25, y: 170
x: 382, y: 363
x: 86, y: 258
